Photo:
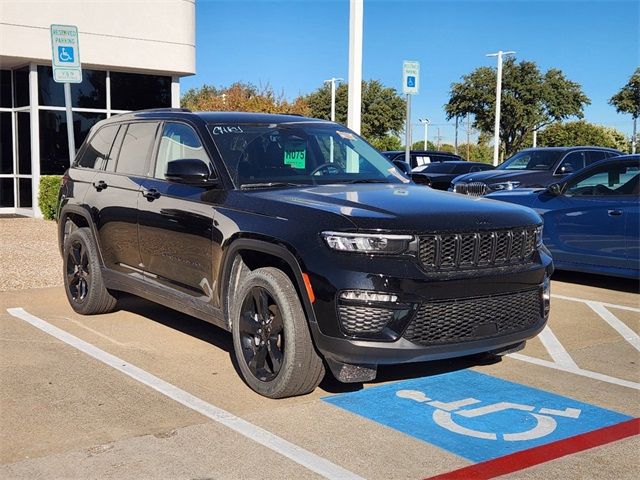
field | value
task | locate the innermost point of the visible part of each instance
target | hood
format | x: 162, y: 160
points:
x: 391, y: 207
x: 495, y: 176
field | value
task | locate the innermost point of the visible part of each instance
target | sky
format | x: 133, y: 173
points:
x: 294, y: 45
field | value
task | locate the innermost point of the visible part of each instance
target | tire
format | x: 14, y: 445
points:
x: 83, y: 282
x: 271, y: 339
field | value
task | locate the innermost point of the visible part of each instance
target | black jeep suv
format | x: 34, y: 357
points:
x: 301, y: 239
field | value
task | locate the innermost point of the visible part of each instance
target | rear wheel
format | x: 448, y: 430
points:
x: 271, y: 338
x: 82, y: 276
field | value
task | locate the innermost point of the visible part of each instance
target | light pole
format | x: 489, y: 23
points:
x: 425, y: 122
x: 496, y: 133
x: 333, y: 81
x: 354, y: 110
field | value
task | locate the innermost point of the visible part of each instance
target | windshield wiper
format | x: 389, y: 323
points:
x: 253, y: 186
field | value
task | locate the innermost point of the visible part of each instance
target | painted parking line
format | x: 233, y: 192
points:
x: 545, y: 453
x: 279, y: 445
x: 476, y: 416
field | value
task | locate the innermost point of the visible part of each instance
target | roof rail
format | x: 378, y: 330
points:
x: 163, y: 109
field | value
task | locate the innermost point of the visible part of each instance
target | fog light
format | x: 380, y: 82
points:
x: 546, y: 296
x: 366, y: 296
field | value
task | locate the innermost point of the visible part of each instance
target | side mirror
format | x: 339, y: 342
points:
x: 568, y: 168
x: 403, y: 166
x: 190, y: 171
x: 555, y: 189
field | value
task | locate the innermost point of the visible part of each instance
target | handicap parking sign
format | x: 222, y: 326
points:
x: 476, y: 416
x: 411, y: 81
x: 65, y: 54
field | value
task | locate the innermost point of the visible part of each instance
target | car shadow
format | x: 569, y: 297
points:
x: 221, y: 338
x: 410, y: 371
x: 628, y: 285
x: 192, y: 326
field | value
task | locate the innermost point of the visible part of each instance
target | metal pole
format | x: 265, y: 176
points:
x: 455, y: 146
x: 468, y: 138
x: 333, y: 99
x: 535, y: 138
x: 426, y: 134
x: 354, y: 111
x: 496, y: 128
x: 634, y: 139
x: 407, y: 140
x: 70, y: 132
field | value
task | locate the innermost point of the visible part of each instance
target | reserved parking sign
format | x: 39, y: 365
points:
x: 65, y: 50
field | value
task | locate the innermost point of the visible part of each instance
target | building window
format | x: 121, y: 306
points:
x: 24, y: 192
x: 91, y: 93
x: 5, y: 88
x: 54, y: 146
x: 21, y: 87
x: 23, y: 134
x: 6, y: 192
x: 131, y: 91
x: 6, y: 150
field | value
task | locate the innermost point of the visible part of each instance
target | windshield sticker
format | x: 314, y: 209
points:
x: 346, y: 135
x: 223, y: 129
x: 295, y: 154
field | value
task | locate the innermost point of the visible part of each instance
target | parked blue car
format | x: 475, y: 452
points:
x: 591, y: 218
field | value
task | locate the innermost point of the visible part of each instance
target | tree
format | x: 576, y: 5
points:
x: 419, y: 145
x: 242, y: 97
x: 387, y: 143
x: 383, y: 110
x: 530, y: 100
x: 627, y: 100
x: 581, y: 133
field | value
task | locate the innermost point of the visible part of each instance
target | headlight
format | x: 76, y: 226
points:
x: 539, y: 236
x: 367, y: 243
x: 504, y: 185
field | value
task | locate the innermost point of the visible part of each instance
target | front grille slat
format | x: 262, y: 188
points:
x: 465, y: 251
x: 457, y: 320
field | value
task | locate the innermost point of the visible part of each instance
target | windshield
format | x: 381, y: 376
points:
x: 532, y: 160
x: 300, y: 154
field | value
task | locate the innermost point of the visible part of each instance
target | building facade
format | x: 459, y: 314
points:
x: 133, y: 55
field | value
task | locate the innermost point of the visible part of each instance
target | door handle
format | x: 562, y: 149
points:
x: 151, y: 194
x: 614, y: 213
x: 100, y: 185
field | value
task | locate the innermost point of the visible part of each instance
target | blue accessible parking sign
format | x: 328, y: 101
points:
x: 476, y: 416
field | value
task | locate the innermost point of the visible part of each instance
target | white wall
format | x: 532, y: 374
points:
x: 131, y: 35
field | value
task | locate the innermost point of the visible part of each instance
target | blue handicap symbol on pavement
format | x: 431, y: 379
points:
x: 65, y: 54
x: 474, y: 415
x: 411, y: 81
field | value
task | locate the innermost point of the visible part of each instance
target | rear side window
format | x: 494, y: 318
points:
x: 98, y: 148
x: 136, y: 146
x: 595, y: 155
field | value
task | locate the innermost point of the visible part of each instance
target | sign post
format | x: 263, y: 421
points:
x: 65, y: 56
x: 410, y: 86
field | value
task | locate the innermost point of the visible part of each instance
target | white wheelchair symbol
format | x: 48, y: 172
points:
x: 442, y: 416
x: 64, y: 55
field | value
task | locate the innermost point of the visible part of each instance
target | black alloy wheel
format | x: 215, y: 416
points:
x: 83, y: 282
x: 78, y: 271
x: 262, y: 334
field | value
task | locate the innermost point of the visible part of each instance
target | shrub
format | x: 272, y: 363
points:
x: 48, y: 195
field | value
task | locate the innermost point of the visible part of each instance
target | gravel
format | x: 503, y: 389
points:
x: 29, y: 256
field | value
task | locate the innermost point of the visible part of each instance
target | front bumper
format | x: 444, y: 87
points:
x: 360, y: 343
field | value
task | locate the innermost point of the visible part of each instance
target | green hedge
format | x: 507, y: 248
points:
x: 48, y: 195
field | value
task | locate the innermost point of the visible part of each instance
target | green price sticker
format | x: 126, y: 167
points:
x: 295, y: 154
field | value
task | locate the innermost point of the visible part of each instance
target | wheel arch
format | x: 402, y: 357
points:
x: 72, y: 217
x: 246, y: 254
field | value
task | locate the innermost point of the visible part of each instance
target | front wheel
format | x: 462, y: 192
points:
x: 271, y: 338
